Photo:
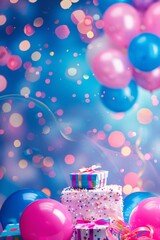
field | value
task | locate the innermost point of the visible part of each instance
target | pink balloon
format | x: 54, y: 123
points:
x: 46, y: 219
x: 147, y: 212
x: 148, y: 80
x: 97, y: 45
x: 152, y: 19
x: 122, y: 23
x: 112, y: 68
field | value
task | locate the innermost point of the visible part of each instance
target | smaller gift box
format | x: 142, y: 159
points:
x: 86, y: 230
x: 89, y: 178
x: 11, y: 232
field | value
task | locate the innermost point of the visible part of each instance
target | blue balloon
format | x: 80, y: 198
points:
x: 104, y: 4
x: 144, y: 52
x: 120, y: 99
x: 132, y: 200
x: 15, y: 204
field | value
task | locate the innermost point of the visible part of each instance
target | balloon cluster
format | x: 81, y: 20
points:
x: 38, y: 216
x: 128, y: 51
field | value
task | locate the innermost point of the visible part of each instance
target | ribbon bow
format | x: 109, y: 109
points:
x: 91, y: 224
x: 90, y: 169
x: 125, y: 233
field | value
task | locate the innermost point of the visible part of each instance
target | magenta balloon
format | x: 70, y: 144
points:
x: 46, y: 219
x: 112, y: 68
x: 146, y: 213
x: 142, y: 4
x: 152, y: 19
x: 148, y: 80
x: 122, y: 23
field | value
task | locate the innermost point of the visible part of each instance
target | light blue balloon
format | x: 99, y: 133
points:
x: 104, y: 4
x: 144, y: 52
x: 120, y: 99
x: 132, y: 200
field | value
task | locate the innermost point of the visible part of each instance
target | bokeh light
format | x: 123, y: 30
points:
x: 116, y: 139
x: 3, y: 83
x: 144, y: 116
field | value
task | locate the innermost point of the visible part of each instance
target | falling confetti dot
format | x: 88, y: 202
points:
x: 10, y: 29
x: 144, y: 116
x: 29, y: 30
x: 72, y: 72
x: 33, y: 1
x: 14, y: 1
x: 36, y: 56
x: 48, y: 162
x: 74, y: 1
x: 14, y: 62
x: 38, y: 22
x: 3, y: 83
x: 16, y: 120
x: 3, y: 20
x: 116, y: 139
x: 62, y: 31
x: 77, y: 16
x: 24, y: 45
x: 6, y: 107
x: 4, y: 56
x: 66, y: 4
x: 23, y: 164
x: 25, y: 91
x: 17, y: 143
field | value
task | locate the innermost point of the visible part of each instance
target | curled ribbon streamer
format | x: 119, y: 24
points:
x: 140, y: 154
x: 90, y: 169
x: 125, y: 233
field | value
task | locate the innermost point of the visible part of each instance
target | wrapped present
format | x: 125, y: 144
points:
x: 11, y: 232
x: 87, y: 230
x: 89, y: 178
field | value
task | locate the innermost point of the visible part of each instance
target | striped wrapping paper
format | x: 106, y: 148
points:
x: 90, y: 179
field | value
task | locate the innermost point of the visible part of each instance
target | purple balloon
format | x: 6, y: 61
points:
x: 142, y: 4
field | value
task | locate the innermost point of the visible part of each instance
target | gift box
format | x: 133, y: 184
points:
x: 89, y: 178
x: 86, y: 230
x: 11, y: 232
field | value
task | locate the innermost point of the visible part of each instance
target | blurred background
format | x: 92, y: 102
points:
x: 52, y: 117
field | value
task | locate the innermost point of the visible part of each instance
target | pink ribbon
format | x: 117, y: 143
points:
x: 90, y: 169
x: 93, y: 223
x: 125, y: 233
